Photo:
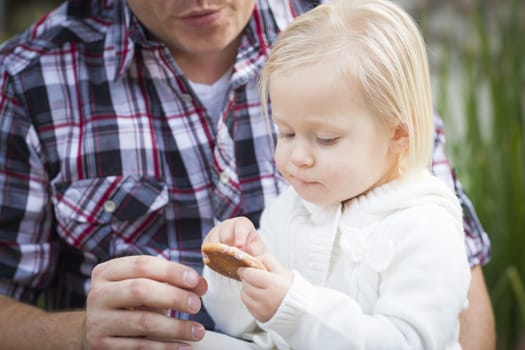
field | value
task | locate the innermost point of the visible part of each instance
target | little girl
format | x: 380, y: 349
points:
x: 365, y: 250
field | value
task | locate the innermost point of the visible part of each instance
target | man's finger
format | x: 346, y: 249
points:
x: 143, y: 292
x: 150, y: 267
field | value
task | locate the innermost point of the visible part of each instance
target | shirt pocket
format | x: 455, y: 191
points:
x: 112, y: 216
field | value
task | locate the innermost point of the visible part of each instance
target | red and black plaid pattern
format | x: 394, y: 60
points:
x: 105, y: 150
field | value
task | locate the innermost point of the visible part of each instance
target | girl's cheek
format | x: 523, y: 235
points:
x: 279, y: 158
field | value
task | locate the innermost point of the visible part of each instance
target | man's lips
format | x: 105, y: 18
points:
x: 200, y: 18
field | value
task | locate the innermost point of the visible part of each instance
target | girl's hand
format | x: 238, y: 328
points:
x: 238, y: 232
x: 263, y: 291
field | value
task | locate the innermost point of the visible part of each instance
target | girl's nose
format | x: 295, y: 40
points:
x: 301, y: 156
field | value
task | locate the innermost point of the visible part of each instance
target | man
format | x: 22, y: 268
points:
x: 127, y: 129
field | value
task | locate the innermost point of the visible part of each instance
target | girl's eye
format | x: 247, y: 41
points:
x: 286, y: 135
x: 327, y: 141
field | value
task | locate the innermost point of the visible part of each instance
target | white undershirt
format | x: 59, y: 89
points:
x: 213, y: 95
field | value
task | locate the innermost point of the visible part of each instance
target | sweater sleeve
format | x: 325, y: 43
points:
x: 224, y: 305
x: 223, y: 301
x: 420, y: 295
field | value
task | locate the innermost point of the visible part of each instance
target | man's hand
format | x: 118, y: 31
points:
x: 129, y: 299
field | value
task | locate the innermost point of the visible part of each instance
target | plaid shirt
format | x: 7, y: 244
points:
x: 106, y: 151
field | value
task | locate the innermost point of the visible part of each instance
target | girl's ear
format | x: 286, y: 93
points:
x: 399, y: 140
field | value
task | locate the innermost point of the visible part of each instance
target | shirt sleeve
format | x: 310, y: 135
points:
x: 27, y: 253
x: 476, y: 239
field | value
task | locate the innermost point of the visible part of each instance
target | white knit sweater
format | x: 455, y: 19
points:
x: 386, y: 271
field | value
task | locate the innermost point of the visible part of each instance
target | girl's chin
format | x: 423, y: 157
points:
x: 314, y: 199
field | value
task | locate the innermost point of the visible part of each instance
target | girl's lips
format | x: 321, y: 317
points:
x: 300, y: 181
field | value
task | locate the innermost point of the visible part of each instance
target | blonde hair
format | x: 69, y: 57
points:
x: 377, y: 44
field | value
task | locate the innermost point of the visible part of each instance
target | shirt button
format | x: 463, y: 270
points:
x: 224, y: 177
x: 186, y: 98
x: 109, y: 206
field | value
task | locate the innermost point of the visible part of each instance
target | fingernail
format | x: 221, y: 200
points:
x: 193, y: 303
x: 190, y: 277
x: 240, y: 271
x: 197, y: 331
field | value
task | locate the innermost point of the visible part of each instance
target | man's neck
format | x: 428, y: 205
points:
x: 207, y: 68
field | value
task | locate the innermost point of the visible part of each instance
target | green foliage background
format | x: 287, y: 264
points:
x: 489, y: 154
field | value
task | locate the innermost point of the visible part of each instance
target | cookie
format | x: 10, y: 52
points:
x: 225, y: 259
